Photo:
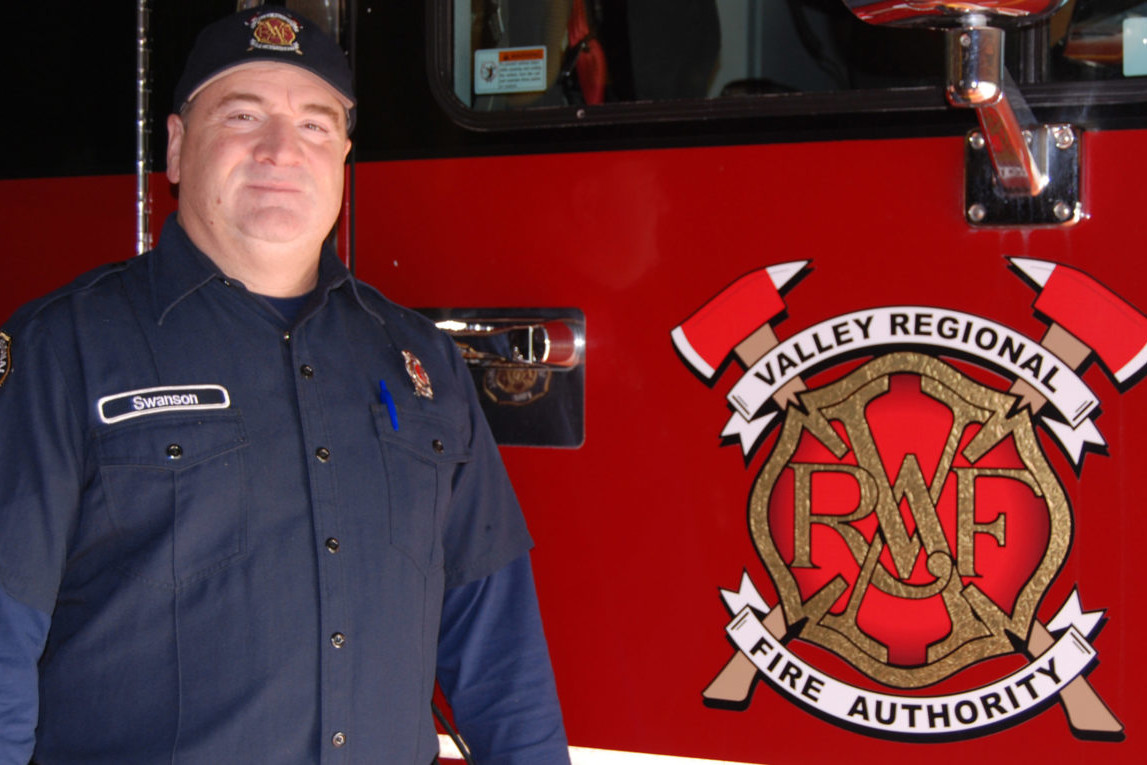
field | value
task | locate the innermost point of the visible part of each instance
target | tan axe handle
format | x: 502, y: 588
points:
x: 1084, y: 708
x: 1067, y: 348
x: 753, y: 348
x: 734, y: 682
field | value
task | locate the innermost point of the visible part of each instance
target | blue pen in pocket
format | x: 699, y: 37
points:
x: 384, y: 397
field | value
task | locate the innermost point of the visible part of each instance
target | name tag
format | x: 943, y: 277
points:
x: 136, y: 403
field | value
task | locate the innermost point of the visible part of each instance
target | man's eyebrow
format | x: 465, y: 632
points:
x: 230, y: 98
x: 325, y: 110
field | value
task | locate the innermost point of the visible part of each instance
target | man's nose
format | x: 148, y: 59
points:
x: 279, y: 142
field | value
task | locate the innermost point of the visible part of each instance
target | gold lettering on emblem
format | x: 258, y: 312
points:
x: 889, y: 559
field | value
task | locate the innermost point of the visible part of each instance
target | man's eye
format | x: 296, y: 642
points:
x: 317, y: 126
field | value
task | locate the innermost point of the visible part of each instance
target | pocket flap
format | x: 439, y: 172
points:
x: 172, y: 441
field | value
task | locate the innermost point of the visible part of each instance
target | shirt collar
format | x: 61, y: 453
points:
x: 179, y: 268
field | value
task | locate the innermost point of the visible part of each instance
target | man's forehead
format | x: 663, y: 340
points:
x: 259, y: 77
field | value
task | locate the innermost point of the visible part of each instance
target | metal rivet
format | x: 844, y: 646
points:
x: 174, y: 451
x: 581, y: 114
x: 323, y: 453
x: 333, y: 545
x: 1064, y: 137
x: 306, y: 370
x: 338, y: 739
x: 976, y: 140
x: 977, y: 213
x: 338, y: 640
x: 1063, y: 211
x: 438, y: 446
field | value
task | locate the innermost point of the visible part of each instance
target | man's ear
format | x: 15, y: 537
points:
x: 175, y: 133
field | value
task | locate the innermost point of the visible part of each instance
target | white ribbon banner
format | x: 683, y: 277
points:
x: 956, y: 332
x: 999, y: 704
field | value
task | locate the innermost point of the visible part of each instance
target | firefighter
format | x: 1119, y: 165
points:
x: 250, y: 509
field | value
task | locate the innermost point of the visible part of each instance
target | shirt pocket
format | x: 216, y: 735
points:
x: 421, y: 459
x: 175, y: 488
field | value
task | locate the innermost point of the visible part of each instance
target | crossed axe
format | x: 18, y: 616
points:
x: 739, y: 321
x: 1086, y: 319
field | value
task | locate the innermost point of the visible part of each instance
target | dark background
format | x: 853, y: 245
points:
x: 71, y: 89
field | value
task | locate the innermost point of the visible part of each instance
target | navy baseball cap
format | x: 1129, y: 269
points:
x: 262, y: 34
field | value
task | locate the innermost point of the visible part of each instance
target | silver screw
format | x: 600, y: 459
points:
x: 976, y: 139
x: 1063, y: 211
x: 977, y: 212
x: 1064, y: 137
x: 581, y: 114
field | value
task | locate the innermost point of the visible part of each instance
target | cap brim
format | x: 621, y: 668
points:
x: 338, y: 94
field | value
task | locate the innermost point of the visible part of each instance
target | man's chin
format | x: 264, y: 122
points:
x: 278, y: 226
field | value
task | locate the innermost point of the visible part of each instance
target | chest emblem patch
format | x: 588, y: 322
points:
x: 145, y: 401
x: 906, y: 515
x: 418, y: 376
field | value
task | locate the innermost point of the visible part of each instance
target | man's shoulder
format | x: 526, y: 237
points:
x: 398, y: 317
x: 55, y: 306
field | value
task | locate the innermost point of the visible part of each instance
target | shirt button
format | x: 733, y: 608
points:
x: 333, y: 545
x: 307, y: 371
x: 174, y: 451
x: 338, y: 739
x: 338, y: 640
x: 438, y: 446
x: 286, y: 337
x: 323, y: 453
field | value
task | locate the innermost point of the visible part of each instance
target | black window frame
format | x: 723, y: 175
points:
x: 1090, y: 104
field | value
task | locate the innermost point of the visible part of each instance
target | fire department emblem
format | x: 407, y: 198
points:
x: 5, y: 356
x: 274, y: 31
x: 418, y: 376
x: 906, y: 514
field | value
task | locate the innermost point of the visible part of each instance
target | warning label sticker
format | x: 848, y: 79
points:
x: 509, y: 70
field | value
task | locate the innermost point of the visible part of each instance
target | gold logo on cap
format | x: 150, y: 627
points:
x: 275, y: 31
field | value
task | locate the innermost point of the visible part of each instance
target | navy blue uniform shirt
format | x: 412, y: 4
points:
x: 242, y: 545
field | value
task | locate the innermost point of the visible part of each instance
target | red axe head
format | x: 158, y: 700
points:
x: 1106, y: 323
x: 707, y: 337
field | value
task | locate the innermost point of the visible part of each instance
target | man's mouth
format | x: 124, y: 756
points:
x: 274, y: 187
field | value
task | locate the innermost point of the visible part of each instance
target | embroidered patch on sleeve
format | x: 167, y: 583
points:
x: 5, y: 357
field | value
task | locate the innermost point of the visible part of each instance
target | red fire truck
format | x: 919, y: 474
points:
x: 810, y: 331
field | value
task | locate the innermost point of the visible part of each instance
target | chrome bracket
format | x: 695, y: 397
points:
x: 1055, y: 151
x: 1014, y: 174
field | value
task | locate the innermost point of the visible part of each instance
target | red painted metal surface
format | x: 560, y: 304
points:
x: 53, y: 229
x: 638, y: 529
